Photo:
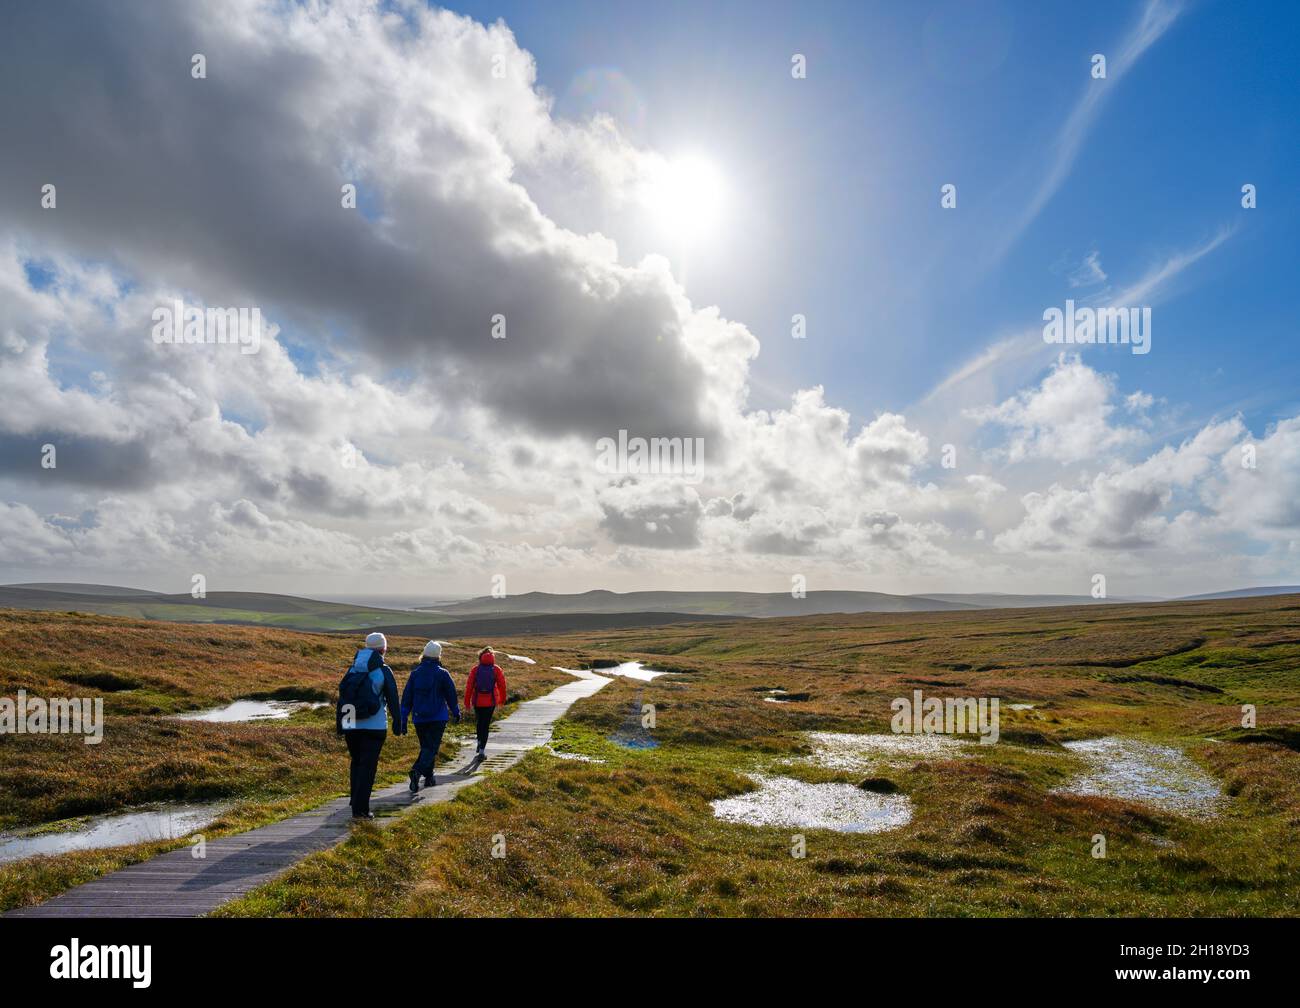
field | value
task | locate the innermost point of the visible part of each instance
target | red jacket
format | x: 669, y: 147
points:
x: 473, y: 698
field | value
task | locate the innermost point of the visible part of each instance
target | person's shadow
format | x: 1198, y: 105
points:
x: 405, y: 798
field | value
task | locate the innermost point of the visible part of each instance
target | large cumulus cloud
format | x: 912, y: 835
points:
x: 229, y: 188
x: 382, y: 436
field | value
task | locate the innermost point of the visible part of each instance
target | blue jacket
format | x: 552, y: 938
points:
x: 385, y: 687
x: 430, y: 695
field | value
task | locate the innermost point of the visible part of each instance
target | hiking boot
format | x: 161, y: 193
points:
x: 415, y: 782
x: 431, y: 781
x: 367, y: 815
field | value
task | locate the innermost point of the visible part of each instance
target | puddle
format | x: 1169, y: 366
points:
x: 1020, y: 706
x: 250, y: 710
x: 522, y: 658
x: 843, y: 751
x: 1140, y: 771
x: 113, y: 831
x: 582, y: 758
x: 631, y: 670
x: 784, y: 801
x: 633, y: 742
x: 785, y: 696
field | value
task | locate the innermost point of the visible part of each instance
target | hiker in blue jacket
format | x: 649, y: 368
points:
x: 367, y: 698
x: 429, y: 700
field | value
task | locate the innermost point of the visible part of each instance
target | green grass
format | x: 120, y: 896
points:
x: 635, y: 834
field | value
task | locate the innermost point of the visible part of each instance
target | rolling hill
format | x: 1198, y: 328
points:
x: 259, y: 608
x: 749, y: 604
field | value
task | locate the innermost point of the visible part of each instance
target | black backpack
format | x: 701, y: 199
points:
x: 357, y: 693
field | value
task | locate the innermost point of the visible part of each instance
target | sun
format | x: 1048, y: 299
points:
x: 685, y: 197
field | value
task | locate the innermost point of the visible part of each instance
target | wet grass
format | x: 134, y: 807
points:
x: 145, y: 671
x: 635, y: 834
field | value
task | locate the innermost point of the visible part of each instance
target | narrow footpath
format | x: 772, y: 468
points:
x: 176, y: 884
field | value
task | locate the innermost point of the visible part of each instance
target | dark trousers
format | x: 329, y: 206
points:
x: 430, y: 736
x: 482, y: 719
x: 364, y: 745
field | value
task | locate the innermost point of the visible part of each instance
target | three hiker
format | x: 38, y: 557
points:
x: 429, y: 700
x: 485, y: 689
x: 368, y: 699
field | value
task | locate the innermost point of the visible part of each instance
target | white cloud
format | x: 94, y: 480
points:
x: 1257, y: 484
x: 1088, y: 273
x: 382, y: 439
x: 1126, y: 508
x: 1067, y: 418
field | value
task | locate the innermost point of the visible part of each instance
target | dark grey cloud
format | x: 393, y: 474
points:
x: 802, y: 541
x: 228, y: 187
x: 780, y: 543
x: 672, y: 525
x: 79, y: 461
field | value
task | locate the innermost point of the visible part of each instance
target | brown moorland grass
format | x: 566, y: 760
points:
x: 635, y: 834
x: 145, y: 671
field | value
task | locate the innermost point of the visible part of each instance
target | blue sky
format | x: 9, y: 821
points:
x: 838, y: 178
x: 602, y: 175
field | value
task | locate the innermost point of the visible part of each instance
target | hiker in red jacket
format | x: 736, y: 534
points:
x: 485, y: 688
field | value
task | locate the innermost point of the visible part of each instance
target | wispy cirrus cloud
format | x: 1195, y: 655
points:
x: 1156, y: 18
x: 1008, y: 360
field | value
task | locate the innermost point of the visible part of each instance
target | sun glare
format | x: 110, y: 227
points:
x: 685, y: 197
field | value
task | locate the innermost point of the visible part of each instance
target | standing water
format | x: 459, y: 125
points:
x: 1136, y: 770
x: 250, y: 710
x: 857, y: 753
x: 784, y: 801
x: 168, y: 823
x: 631, y: 670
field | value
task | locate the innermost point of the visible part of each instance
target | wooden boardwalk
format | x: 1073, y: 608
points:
x: 176, y: 884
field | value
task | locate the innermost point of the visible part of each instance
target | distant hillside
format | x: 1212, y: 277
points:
x: 83, y: 589
x: 482, y: 628
x: 1245, y: 593
x: 533, y: 612
x: 749, y: 604
x: 259, y: 608
x: 291, y: 612
x: 996, y: 600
